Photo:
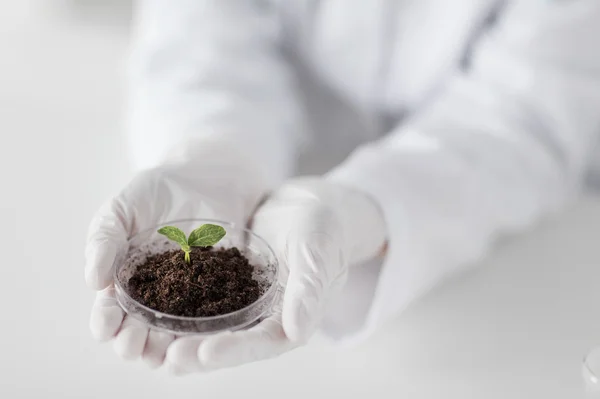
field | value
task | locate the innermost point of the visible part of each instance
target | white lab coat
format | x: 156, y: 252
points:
x: 479, y: 115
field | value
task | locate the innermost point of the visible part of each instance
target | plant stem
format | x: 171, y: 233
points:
x: 187, y: 257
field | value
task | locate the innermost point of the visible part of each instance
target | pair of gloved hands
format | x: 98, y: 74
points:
x: 316, y: 227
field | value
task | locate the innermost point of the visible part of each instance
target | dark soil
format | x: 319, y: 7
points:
x: 216, y: 282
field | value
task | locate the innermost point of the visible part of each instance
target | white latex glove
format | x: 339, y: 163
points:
x: 317, y: 229
x: 209, y: 179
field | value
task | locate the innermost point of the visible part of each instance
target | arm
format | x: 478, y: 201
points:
x: 213, y: 116
x: 505, y: 143
x: 206, y: 69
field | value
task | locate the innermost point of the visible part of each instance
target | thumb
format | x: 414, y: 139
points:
x: 316, y: 268
x: 107, y: 234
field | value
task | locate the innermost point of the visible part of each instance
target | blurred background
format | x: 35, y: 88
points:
x: 516, y: 327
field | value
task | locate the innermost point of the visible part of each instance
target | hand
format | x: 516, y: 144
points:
x: 317, y: 229
x: 209, y: 180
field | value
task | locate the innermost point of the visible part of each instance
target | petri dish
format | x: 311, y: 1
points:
x: 148, y: 242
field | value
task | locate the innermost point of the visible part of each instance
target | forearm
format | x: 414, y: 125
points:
x: 205, y: 69
x: 505, y: 143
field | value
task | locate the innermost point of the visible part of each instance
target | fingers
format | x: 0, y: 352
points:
x: 107, y: 234
x: 307, y: 237
x: 265, y: 340
x: 108, y: 320
x: 131, y: 339
x: 107, y: 315
x: 229, y: 349
x: 99, y: 262
x: 174, y: 370
x: 132, y: 336
x: 156, y: 348
x: 182, y: 355
x: 316, y: 267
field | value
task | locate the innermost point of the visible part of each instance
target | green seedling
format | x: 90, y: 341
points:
x: 206, y: 235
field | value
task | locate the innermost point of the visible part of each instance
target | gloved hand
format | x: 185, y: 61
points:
x: 318, y: 229
x: 208, y: 179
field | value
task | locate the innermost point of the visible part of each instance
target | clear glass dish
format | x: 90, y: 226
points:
x: 260, y: 255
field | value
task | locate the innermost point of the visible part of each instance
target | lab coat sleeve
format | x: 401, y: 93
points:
x: 205, y: 68
x: 504, y: 143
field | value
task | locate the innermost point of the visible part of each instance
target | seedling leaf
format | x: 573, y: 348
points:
x: 174, y: 234
x: 206, y: 235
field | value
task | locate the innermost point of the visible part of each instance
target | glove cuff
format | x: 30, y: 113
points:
x: 223, y: 164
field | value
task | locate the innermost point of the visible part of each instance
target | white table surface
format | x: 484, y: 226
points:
x: 514, y: 326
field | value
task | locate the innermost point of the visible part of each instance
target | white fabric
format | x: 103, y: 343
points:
x: 496, y: 105
x: 203, y: 69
